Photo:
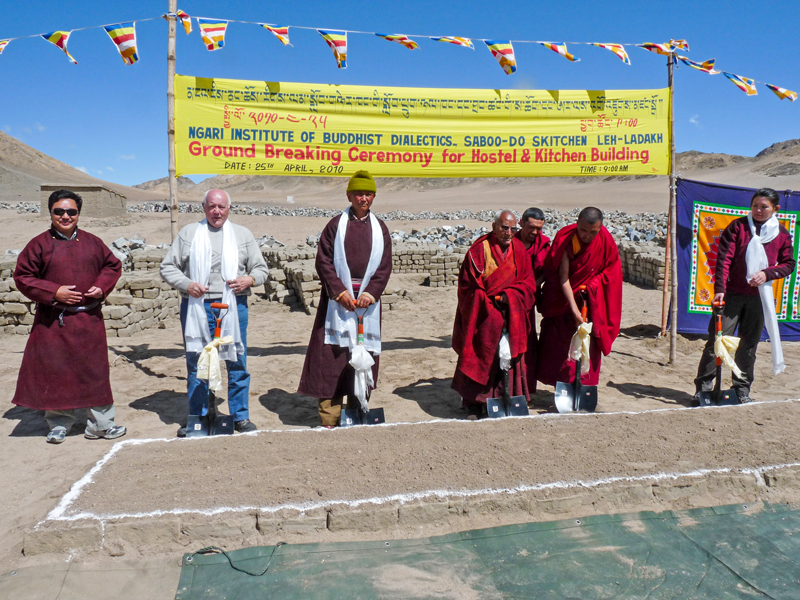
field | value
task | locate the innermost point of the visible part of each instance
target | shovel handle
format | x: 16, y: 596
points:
x: 218, y: 317
x: 585, y: 308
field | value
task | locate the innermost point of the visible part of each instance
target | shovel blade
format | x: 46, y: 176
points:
x: 706, y: 398
x: 197, y: 426
x: 565, y: 397
x: 728, y: 398
x: 496, y: 408
x: 375, y: 416
x: 517, y: 407
x: 222, y: 425
x: 588, y: 398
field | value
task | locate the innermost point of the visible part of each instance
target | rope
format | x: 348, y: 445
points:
x: 217, y: 550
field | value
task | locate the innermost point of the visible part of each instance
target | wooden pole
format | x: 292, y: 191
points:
x: 673, y: 220
x: 173, y: 181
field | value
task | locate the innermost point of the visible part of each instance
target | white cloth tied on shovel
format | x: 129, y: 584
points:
x: 579, y: 346
x: 725, y: 348
x: 756, y: 259
x: 208, y: 363
x: 362, y: 362
x: 504, y: 352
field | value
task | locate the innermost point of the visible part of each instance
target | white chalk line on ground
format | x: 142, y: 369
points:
x: 59, y: 512
x: 442, y: 494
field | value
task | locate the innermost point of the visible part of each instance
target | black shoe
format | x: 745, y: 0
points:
x: 182, y: 432
x: 245, y: 426
x: 695, y: 400
x: 745, y: 399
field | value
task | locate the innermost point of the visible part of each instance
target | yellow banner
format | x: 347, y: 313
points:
x: 226, y: 126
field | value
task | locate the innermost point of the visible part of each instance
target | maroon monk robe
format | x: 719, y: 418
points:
x: 537, y: 252
x: 598, y: 267
x: 65, y: 367
x: 479, y: 322
x: 327, y: 372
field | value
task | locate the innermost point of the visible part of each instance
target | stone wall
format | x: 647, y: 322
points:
x: 642, y: 265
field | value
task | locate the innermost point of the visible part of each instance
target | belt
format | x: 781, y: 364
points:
x: 64, y: 308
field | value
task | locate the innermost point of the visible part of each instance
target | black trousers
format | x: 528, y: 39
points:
x: 745, y: 314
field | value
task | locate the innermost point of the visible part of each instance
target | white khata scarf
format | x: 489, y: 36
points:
x: 341, y: 325
x: 756, y: 259
x: 197, y: 334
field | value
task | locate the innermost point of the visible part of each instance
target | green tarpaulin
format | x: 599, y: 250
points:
x: 724, y: 552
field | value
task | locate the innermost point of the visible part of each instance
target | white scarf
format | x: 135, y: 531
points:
x: 196, y: 334
x: 756, y: 259
x: 341, y: 325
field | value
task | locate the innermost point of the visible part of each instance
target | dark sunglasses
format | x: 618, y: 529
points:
x: 509, y: 228
x: 70, y: 211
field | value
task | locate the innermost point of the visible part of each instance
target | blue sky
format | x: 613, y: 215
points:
x: 110, y: 119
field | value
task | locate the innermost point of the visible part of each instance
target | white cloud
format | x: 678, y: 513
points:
x: 100, y: 172
x: 82, y: 169
x: 109, y: 168
x: 6, y: 128
x: 695, y: 120
x: 39, y: 127
x: 127, y: 157
x: 27, y: 129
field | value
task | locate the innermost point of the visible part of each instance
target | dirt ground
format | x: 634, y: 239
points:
x: 148, y: 380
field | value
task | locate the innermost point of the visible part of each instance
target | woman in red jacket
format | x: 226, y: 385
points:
x: 753, y: 251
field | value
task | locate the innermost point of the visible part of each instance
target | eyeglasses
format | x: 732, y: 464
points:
x: 60, y: 211
x: 509, y: 228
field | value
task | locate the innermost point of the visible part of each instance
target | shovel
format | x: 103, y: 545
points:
x: 356, y: 416
x: 212, y: 423
x: 717, y: 397
x: 507, y: 406
x: 574, y: 397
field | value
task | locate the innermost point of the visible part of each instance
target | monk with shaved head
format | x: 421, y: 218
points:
x: 496, y: 290
x: 582, y: 254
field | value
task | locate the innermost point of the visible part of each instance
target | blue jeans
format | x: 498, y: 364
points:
x: 238, y: 377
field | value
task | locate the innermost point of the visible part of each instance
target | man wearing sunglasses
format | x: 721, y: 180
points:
x: 496, y: 290
x: 67, y: 272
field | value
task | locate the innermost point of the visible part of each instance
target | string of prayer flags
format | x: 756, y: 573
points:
x: 503, y: 52
x: 282, y: 33
x: 400, y: 39
x: 617, y: 49
x: 3, y: 44
x: 60, y: 39
x: 680, y: 44
x: 124, y: 37
x: 748, y: 86
x: 705, y: 66
x: 337, y: 40
x: 213, y: 32
x: 782, y: 93
x: 560, y: 49
x: 663, y: 49
x: 185, y: 20
x: 458, y: 41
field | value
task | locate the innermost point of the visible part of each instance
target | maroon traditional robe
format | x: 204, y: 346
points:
x: 327, y: 372
x: 479, y: 322
x: 65, y: 367
x: 598, y: 267
x: 537, y: 253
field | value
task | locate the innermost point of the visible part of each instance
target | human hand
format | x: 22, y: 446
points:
x: 363, y: 301
x: 94, y: 292
x: 758, y: 279
x: 347, y: 301
x: 66, y: 294
x: 578, y: 318
x: 195, y: 290
x: 240, y: 284
x: 501, y: 299
x: 718, y: 299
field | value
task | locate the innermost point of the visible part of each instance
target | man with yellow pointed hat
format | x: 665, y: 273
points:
x: 354, y: 262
